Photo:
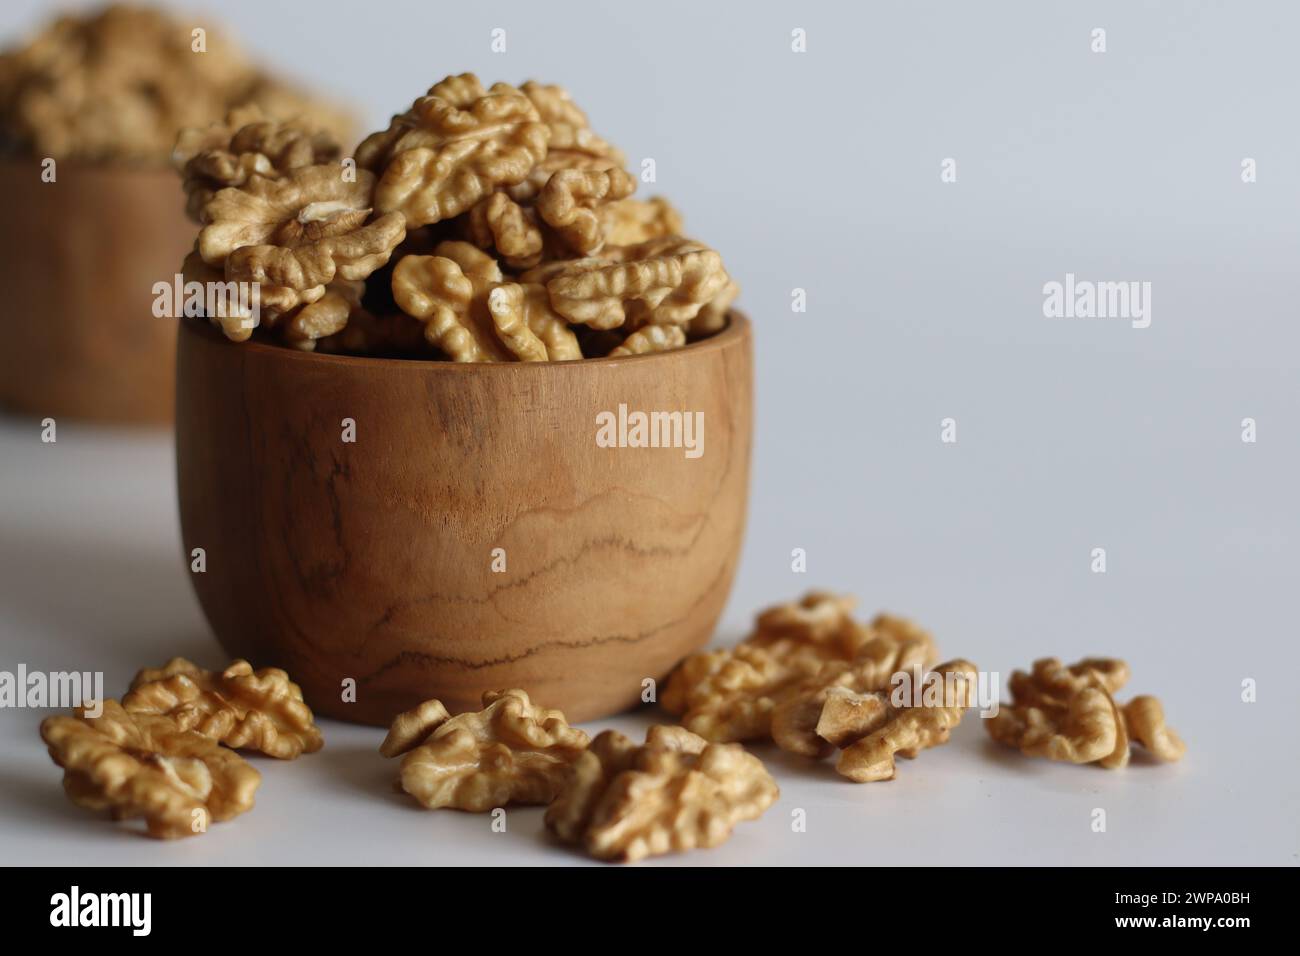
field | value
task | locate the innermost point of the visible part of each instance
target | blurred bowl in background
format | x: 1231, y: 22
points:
x: 78, y: 261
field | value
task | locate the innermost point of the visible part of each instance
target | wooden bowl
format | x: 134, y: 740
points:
x: 373, y: 561
x: 78, y: 261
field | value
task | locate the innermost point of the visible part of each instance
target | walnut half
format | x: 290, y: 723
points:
x: 675, y: 792
x: 239, y: 707
x: 512, y: 751
x: 144, y: 765
x: 1070, y: 714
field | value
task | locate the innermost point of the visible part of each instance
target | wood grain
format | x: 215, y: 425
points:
x: 78, y: 260
x: 373, y: 560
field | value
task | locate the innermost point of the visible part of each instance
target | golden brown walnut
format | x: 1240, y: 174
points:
x: 712, y: 317
x: 873, y: 731
x: 245, y: 144
x: 733, y: 694
x: 528, y: 327
x: 473, y: 315
x: 249, y: 710
x: 1145, y: 719
x: 571, y: 142
x: 658, y: 282
x: 448, y: 292
x: 512, y: 751
x: 453, y: 148
x: 327, y: 316
x: 652, y: 338
x: 143, y: 765
x: 573, y: 204
x: 1070, y: 714
x: 500, y: 223
x: 294, y: 236
x: 896, y: 647
x: 675, y: 792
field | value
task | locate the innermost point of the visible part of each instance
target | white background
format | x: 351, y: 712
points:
x: 821, y: 171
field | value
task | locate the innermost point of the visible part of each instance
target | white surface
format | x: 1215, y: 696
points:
x: 91, y: 576
x: 821, y: 171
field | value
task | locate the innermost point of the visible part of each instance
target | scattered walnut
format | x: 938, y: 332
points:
x: 897, y: 647
x: 1070, y: 714
x: 733, y: 694
x: 296, y: 235
x: 142, y: 765
x: 675, y: 792
x: 512, y: 751
x: 453, y: 148
x: 872, y: 732
x: 1145, y: 719
x: 239, y: 707
x: 247, y: 143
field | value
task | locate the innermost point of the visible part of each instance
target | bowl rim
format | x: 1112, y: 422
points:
x: 736, y: 329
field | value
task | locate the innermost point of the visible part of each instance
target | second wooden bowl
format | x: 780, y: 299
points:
x: 390, y: 531
x: 79, y: 258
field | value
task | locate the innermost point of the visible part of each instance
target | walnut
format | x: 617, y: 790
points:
x: 572, y: 203
x: 142, y: 765
x: 295, y: 235
x: 448, y: 292
x: 733, y: 694
x: 501, y: 223
x: 675, y: 792
x: 327, y: 316
x: 474, y: 315
x: 873, y: 731
x: 528, y: 327
x: 512, y: 751
x: 898, y: 646
x: 239, y: 707
x: 661, y: 281
x: 652, y: 338
x: 571, y: 145
x: 713, y: 316
x: 453, y: 148
x: 245, y: 144
x: 1070, y: 714
x: 1145, y: 719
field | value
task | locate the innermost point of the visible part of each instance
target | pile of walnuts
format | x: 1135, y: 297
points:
x: 485, y: 224
x: 116, y: 86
